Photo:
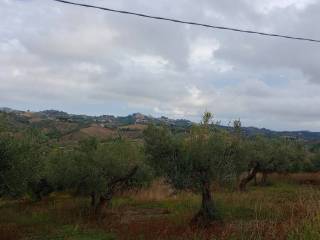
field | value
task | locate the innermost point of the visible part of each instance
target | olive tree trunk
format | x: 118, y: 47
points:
x: 208, y: 212
x: 115, y: 185
x: 102, y: 206
x: 93, y: 197
x: 264, y: 178
x: 255, y: 182
x: 250, y: 176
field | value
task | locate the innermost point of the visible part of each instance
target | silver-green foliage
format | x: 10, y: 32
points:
x: 21, y: 162
x: 94, y: 167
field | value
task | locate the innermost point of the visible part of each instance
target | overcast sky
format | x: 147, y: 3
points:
x: 79, y: 60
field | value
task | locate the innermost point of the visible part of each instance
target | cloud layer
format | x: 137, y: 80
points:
x: 88, y: 61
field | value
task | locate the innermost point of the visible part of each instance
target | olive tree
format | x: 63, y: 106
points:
x: 21, y: 163
x: 314, y: 161
x: 270, y: 155
x: 100, y: 170
x: 258, y: 156
x: 193, y: 161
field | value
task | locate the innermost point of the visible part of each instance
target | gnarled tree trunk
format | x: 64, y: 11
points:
x: 93, y: 199
x: 208, y: 212
x: 114, y: 186
x: 255, y: 182
x: 251, y: 175
x: 102, y: 206
x: 264, y: 178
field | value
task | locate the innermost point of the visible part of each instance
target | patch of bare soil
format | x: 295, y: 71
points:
x: 98, y: 131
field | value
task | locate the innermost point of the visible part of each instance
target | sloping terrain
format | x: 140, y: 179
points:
x: 71, y: 127
x: 99, y: 132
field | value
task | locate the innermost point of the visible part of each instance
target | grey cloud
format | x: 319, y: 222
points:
x: 57, y: 55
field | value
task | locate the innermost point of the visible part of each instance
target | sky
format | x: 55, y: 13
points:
x: 80, y: 60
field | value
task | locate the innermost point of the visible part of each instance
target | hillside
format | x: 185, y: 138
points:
x: 63, y: 126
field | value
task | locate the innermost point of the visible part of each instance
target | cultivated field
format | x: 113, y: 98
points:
x: 287, y: 208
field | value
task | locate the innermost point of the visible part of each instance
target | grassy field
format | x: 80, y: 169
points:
x: 288, y: 208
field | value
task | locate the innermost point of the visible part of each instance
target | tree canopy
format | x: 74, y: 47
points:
x: 193, y: 161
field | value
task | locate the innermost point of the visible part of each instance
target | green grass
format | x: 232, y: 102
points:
x: 31, y: 221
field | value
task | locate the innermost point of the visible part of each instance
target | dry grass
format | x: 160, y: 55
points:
x: 98, y: 132
x: 10, y: 231
x: 156, y: 192
x: 135, y: 127
x: 286, y: 209
x: 298, y: 178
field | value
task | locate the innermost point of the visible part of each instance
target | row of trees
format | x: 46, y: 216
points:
x: 197, y: 159
x: 99, y: 170
x: 190, y: 161
x: 95, y: 169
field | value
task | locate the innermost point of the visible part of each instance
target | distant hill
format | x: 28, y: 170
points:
x: 63, y: 126
x: 303, y: 135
